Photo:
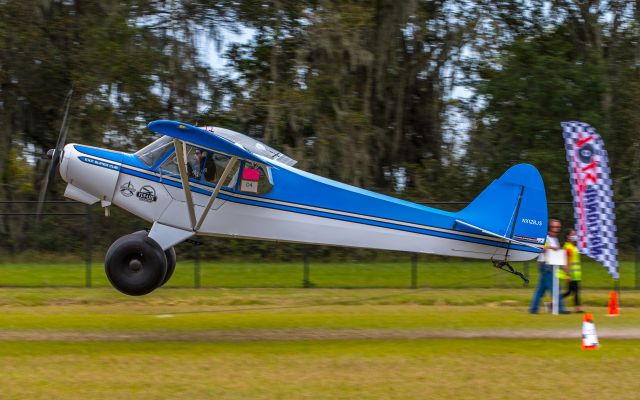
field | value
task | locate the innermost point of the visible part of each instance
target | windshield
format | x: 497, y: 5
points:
x: 153, y: 152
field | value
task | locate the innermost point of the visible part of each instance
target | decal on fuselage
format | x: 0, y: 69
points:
x: 249, y: 186
x: 529, y: 239
x: 99, y: 163
x: 531, y: 221
x: 127, y: 189
x: 147, y: 193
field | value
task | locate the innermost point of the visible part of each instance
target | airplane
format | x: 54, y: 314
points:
x: 217, y: 182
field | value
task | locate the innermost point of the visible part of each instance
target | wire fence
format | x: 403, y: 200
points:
x: 69, y: 254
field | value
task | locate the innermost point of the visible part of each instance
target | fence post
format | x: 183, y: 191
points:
x: 305, y: 269
x: 414, y: 270
x: 87, y: 248
x: 637, y: 271
x: 196, y: 266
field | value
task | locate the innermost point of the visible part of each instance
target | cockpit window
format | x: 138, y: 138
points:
x: 202, y: 165
x: 154, y: 151
x: 255, y: 178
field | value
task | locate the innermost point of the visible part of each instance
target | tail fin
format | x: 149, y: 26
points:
x: 513, y: 207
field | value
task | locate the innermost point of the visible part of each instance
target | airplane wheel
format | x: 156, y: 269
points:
x: 171, y: 259
x: 170, y: 253
x: 135, y: 264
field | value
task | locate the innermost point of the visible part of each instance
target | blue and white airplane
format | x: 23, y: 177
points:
x: 213, y: 181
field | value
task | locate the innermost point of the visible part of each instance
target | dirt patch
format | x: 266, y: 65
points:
x: 303, y: 334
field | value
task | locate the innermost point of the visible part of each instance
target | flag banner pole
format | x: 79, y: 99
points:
x: 555, y: 305
x: 591, y: 187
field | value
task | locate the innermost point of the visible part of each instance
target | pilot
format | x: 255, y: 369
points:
x: 209, y: 170
x: 195, y: 164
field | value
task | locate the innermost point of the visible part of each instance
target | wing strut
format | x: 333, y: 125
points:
x: 182, y: 167
x: 225, y: 173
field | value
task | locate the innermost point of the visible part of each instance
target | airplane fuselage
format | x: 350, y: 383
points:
x: 300, y: 207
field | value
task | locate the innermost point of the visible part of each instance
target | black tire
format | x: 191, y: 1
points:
x: 171, y: 259
x: 170, y: 253
x: 135, y: 264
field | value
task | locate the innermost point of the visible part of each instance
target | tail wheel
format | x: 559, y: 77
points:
x: 135, y: 264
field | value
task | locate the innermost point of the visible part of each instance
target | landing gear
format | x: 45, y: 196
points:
x: 136, y: 264
x: 505, y: 266
x: 170, y: 253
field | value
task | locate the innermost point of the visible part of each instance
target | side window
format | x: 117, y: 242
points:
x: 214, y: 165
x: 255, y: 178
x: 170, y: 165
x: 154, y: 151
x: 196, y: 159
x: 202, y: 165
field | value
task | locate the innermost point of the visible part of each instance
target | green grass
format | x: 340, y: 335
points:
x: 437, y: 274
x: 327, y: 317
x: 219, y: 309
x: 419, y: 369
x: 109, y: 351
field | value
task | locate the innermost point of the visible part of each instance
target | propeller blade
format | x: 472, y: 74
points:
x: 54, y: 155
x: 64, y: 128
x: 43, y: 190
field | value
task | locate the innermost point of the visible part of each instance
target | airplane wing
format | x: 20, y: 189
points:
x: 201, y: 137
x: 251, y: 144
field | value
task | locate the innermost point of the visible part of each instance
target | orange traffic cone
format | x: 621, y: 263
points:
x: 614, y: 310
x: 589, y: 336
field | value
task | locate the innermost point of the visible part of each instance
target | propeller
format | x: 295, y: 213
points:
x: 55, y: 154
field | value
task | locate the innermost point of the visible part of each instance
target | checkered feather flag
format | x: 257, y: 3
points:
x: 592, y: 194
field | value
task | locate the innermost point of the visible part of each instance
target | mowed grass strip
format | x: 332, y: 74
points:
x: 356, y: 317
x: 201, y: 299
x: 183, y: 310
x: 373, y: 369
x: 437, y: 274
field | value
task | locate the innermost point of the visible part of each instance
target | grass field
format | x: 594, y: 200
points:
x: 464, y: 334
x: 309, y: 343
x: 437, y: 274
x: 374, y: 369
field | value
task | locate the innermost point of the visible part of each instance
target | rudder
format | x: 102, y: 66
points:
x: 513, y: 206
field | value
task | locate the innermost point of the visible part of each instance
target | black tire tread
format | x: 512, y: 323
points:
x: 154, y: 264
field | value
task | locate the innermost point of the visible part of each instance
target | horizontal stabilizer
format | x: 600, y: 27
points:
x: 486, y: 232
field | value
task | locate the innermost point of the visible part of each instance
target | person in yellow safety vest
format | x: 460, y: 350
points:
x: 573, y: 270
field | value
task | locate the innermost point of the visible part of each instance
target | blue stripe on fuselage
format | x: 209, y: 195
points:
x: 373, y: 223
x: 116, y: 156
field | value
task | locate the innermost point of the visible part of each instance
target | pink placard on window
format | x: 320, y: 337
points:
x: 251, y: 174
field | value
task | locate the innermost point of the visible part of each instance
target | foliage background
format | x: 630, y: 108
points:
x: 424, y: 100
